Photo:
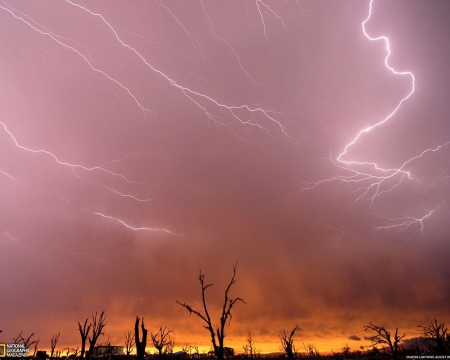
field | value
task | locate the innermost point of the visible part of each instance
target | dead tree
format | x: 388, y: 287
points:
x: 186, y: 349
x: 311, y: 350
x: 84, y: 332
x: 437, y: 338
x: 36, y: 343
x: 28, y: 342
x: 140, y: 344
x: 19, y: 339
x: 53, y: 342
x: 287, y: 342
x: 162, y: 339
x: 170, y: 346
x: 346, y: 351
x: 195, y: 349
x: 97, y: 329
x: 129, y: 342
x: 70, y: 352
x: 249, y: 348
x: 384, y: 337
x: 218, y: 345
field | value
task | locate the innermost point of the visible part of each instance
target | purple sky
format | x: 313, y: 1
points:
x: 143, y: 141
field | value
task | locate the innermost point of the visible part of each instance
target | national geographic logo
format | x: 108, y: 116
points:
x: 13, y: 351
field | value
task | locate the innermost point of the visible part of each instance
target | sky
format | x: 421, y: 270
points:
x: 143, y: 141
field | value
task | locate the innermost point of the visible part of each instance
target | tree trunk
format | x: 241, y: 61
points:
x: 140, y: 345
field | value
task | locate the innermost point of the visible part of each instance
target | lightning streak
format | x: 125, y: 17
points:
x: 230, y: 47
x: 368, y: 129
x: 132, y: 227
x: 261, y: 12
x: 60, y: 162
x: 68, y: 47
x: 382, y: 180
x: 193, y: 95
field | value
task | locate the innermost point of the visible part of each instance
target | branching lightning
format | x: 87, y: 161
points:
x: 371, y: 185
x: 193, y: 95
x: 255, y: 115
x: 369, y: 179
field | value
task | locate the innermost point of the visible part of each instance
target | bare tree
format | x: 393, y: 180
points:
x: 129, y: 342
x: 98, y: 323
x: 311, y: 350
x: 19, y: 339
x: 71, y: 352
x: 84, y: 332
x: 346, y: 351
x: 196, y: 353
x: 384, y: 337
x: 287, y: 342
x: 170, y: 346
x: 437, y: 337
x: 140, y: 344
x: 249, y: 347
x: 162, y: 339
x: 53, y: 342
x: 218, y: 345
x: 28, y: 342
x: 186, y: 348
x: 36, y: 343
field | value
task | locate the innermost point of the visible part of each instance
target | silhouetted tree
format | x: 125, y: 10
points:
x: 249, y: 348
x: 70, y: 352
x: 218, y: 345
x: 129, y: 342
x: 195, y: 348
x: 140, y: 344
x: 19, y: 339
x: 346, y: 351
x: 287, y: 342
x: 437, y: 338
x: 384, y: 337
x: 98, y: 323
x: 162, y: 339
x: 36, y: 343
x: 170, y: 346
x: 187, y: 348
x: 53, y: 342
x: 311, y: 349
x: 28, y: 342
x: 84, y: 332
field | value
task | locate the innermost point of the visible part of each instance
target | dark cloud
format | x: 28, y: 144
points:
x: 354, y: 337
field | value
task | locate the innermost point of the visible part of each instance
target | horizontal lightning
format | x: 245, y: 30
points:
x: 403, y: 223
x: 132, y: 227
x: 192, y: 95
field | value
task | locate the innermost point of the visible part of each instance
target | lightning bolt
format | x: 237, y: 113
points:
x: 372, y: 184
x: 260, y: 4
x: 132, y: 227
x: 245, y: 114
x: 99, y: 168
x: 195, y: 96
x: 72, y: 49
